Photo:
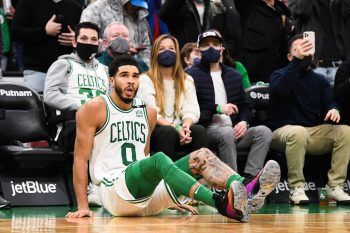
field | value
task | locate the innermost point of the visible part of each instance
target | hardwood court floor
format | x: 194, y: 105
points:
x: 272, y: 218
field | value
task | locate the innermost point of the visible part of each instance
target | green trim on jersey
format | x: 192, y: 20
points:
x: 107, y: 118
x: 106, y: 182
x: 171, y: 194
x: 139, y: 200
x: 145, y: 112
x: 117, y: 108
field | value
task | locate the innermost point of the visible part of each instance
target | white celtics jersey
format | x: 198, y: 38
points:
x: 120, y: 142
x: 86, y: 82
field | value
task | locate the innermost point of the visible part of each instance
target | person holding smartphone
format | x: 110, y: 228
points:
x: 304, y: 117
x: 45, y: 35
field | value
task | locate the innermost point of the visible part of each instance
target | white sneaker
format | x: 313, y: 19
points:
x: 93, y: 196
x: 337, y: 194
x: 297, y: 196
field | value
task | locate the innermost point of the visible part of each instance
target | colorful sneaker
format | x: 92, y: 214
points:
x: 267, y: 179
x: 297, y: 196
x: 233, y: 204
x: 337, y: 194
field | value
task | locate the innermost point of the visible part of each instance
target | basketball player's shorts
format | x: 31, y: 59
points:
x: 117, y: 199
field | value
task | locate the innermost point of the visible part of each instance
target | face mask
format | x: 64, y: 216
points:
x: 211, y: 55
x: 119, y: 46
x: 196, y: 61
x: 86, y: 51
x: 306, y: 62
x: 167, y: 58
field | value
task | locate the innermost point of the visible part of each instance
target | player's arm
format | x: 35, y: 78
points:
x: 152, y: 120
x: 89, y: 119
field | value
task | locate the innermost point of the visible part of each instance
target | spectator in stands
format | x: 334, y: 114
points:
x: 188, y: 18
x: 302, y: 109
x: 116, y: 42
x: 157, y: 26
x: 189, y: 55
x: 225, y: 110
x: 76, y: 78
x: 46, y: 35
x: 329, y: 19
x: 132, y: 13
x: 229, y: 61
x: 342, y: 90
x: 167, y: 88
x: 265, y: 31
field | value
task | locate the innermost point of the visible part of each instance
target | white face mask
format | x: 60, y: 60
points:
x: 56, y: 1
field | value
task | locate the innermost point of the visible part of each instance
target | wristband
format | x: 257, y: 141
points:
x: 218, y: 109
x: 178, y: 127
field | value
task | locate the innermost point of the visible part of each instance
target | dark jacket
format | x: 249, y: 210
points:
x: 39, y: 49
x: 264, y: 37
x: 307, y: 16
x: 182, y: 18
x: 206, y: 96
x: 342, y: 91
x: 298, y: 97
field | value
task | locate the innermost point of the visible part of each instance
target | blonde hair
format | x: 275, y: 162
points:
x: 178, y: 74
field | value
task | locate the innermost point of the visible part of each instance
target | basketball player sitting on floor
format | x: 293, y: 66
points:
x: 113, y: 134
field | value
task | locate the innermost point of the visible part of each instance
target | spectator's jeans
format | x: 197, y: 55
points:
x: 256, y: 142
x: 295, y: 141
x: 328, y: 72
x: 34, y: 79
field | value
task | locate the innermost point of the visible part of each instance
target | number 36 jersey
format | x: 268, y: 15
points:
x: 86, y: 81
x: 120, y: 142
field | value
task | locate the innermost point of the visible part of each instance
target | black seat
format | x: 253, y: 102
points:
x: 23, y: 120
x: 258, y: 97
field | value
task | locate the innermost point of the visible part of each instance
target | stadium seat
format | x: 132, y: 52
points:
x: 258, y: 96
x: 22, y: 120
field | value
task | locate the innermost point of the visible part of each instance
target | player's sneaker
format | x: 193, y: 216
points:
x: 265, y: 182
x: 297, y: 196
x: 337, y: 194
x: 233, y: 204
x: 93, y: 196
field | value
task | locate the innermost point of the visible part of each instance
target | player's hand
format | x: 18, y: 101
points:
x: 333, y: 115
x: 183, y: 207
x: 52, y: 28
x: 80, y: 214
x: 240, y: 129
x: 66, y: 38
x: 229, y: 109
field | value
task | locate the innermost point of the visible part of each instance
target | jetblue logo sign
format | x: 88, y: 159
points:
x: 257, y: 95
x: 15, y: 93
x: 44, y: 188
x: 31, y: 187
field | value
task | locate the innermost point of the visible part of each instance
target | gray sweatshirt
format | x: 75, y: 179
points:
x: 70, y: 82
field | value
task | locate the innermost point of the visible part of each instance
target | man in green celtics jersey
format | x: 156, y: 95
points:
x: 113, y: 135
x: 76, y: 78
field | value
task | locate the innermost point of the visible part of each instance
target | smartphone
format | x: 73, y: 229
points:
x: 310, y: 35
x: 141, y: 48
x: 59, y: 19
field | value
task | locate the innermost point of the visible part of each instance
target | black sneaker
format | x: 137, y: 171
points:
x: 233, y: 204
x: 4, y: 204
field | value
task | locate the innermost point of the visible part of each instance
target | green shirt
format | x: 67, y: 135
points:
x: 242, y: 70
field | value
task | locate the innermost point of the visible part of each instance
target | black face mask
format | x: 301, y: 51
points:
x: 306, y: 63
x: 86, y: 51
